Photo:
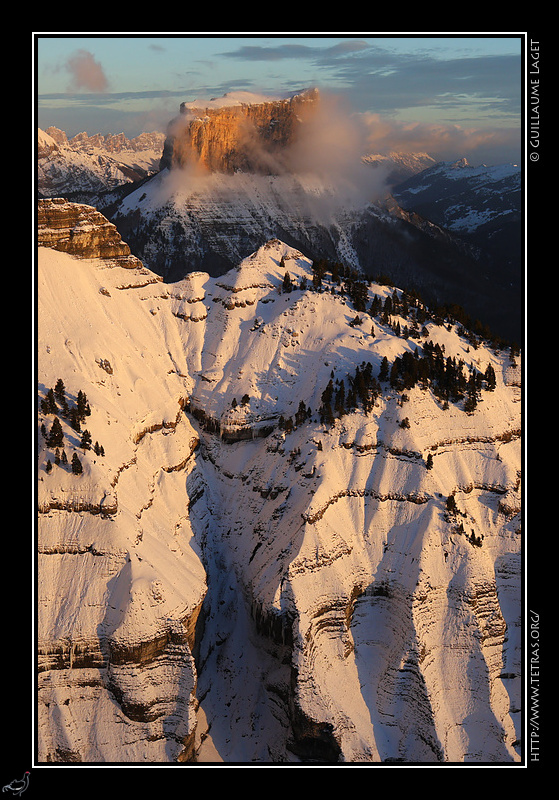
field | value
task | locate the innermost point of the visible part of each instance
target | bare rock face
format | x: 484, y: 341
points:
x: 246, y: 137
x: 80, y: 230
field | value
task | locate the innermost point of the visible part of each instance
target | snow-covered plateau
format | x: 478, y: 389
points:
x: 256, y: 565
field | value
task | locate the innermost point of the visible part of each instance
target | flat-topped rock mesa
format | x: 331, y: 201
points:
x: 238, y: 132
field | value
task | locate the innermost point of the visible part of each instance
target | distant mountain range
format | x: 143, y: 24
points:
x: 94, y: 169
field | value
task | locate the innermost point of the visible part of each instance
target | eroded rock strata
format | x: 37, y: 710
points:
x: 257, y: 584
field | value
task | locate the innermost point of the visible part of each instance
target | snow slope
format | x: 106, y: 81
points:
x: 347, y: 615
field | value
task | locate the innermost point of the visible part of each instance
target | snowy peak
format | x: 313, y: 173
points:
x: 460, y: 163
x: 482, y: 177
x: 46, y: 143
x: 271, y: 261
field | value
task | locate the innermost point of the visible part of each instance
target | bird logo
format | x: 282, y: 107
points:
x: 17, y: 787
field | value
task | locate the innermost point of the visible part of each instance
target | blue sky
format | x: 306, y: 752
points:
x: 450, y: 95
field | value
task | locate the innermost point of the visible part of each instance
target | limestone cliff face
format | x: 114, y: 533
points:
x: 79, y: 230
x: 246, y: 137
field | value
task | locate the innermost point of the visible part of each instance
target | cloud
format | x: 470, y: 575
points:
x: 277, y: 53
x: 444, y: 142
x: 86, y: 73
x: 385, y: 79
x: 331, y: 145
x: 300, y: 51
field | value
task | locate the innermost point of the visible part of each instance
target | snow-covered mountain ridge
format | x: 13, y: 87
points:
x: 254, y: 565
x: 88, y: 168
x: 481, y: 195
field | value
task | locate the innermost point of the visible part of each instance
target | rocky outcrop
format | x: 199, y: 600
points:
x: 246, y: 137
x: 80, y: 230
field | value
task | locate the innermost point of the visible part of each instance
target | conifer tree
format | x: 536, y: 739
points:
x: 471, y: 400
x: 376, y: 306
x: 326, y: 414
x: 490, y: 378
x: 48, y: 403
x: 77, y: 468
x: 56, y: 435
x: 326, y: 396
x: 85, y: 442
x: 75, y: 419
x: 59, y: 389
x: 82, y: 406
x: 383, y: 374
x: 301, y: 413
x: 394, y: 378
x: 64, y: 407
